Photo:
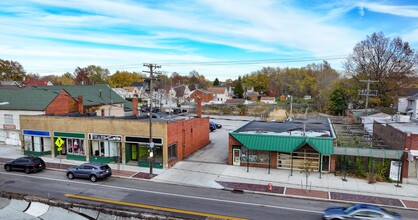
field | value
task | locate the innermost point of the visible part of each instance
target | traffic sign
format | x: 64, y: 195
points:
x: 59, y: 142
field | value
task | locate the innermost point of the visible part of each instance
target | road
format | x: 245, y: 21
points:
x: 192, y: 202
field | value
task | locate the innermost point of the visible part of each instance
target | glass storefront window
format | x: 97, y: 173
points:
x: 104, y: 148
x: 75, y: 146
x: 37, y: 144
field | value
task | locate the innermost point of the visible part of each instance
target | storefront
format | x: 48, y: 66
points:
x: 105, y: 148
x: 72, y: 145
x: 37, y: 143
x: 137, y: 151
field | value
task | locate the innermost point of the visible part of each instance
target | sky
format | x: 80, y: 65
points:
x: 220, y: 39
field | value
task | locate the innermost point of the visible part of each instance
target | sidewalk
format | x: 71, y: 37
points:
x: 237, y: 179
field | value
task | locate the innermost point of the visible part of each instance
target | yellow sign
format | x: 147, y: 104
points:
x: 59, y: 142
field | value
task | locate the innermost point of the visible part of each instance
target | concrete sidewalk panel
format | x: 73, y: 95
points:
x: 58, y: 213
x: 4, y: 202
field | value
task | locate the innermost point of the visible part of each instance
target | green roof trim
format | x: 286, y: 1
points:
x: 286, y: 144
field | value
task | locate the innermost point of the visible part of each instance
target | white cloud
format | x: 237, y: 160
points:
x: 405, y: 11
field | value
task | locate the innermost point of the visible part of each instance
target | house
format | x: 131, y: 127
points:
x: 236, y: 102
x: 180, y: 93
x: 286, y: 145
x: 205, y: 95
x: 120, y: 91
x: 37, y: 83
x: 114, y: 139
x: 268, y: 100
x: 253, y: 96
x: 220, y: 93
x: 9, y: 84
x: 132, y: 91
x: 412, y: 108
x: 402, y: 100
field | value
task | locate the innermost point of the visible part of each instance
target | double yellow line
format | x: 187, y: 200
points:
x: 158, y: 208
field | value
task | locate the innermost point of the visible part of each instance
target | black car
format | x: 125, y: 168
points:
x: 28, y: 164
x: 92, y: 171
x: 218, y: 125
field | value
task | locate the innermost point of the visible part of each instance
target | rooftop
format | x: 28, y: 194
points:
x: 296, y: 127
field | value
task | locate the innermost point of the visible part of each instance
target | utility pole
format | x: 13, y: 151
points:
x: 151, y: 71
x: 368, y: 92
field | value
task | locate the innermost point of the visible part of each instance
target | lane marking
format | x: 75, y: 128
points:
x: 158, y: 208
x: 168, y: 194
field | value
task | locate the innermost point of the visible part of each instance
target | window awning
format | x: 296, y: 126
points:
x: 368, y: 152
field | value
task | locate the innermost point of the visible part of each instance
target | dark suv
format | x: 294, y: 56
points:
x: 28, y: 164
x: 92, y: 171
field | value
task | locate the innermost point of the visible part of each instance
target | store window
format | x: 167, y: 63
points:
x: 172, y: 152
x: 75, y: 146
x: 104, y: 148
x: 37, y: 144
x: 254, y: 156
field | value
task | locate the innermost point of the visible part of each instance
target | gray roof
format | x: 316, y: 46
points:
x: 413, y: 97
x: 314, y: 125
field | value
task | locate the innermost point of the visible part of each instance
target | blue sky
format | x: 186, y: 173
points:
x: 56, y: 36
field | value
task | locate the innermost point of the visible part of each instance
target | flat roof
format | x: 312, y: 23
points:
x: 296, y: 127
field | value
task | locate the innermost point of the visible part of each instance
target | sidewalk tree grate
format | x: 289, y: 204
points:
x: 365, y: 199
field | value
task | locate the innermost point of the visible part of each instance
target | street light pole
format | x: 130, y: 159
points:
x: 152, y: 68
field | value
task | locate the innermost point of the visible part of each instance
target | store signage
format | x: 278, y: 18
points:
x: 105, y: 137
x: 9, y: 126
x: 394, y: 170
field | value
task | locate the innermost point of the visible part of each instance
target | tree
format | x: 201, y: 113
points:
x: 66, y: 79
x: 216, y: 82
x: 239, y: 90
x: 390, y: 61
x: 11, y: 70
x: 338, y: 104
x: 124, y: 78
x: 91, y: 75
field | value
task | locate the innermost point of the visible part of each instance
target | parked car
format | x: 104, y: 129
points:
x: 359, y: 211
x: 218, y: 125
x: 212, y: 126
x: 28, y: 164
x: 92, y: 171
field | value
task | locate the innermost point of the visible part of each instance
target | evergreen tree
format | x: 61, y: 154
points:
x: 216, y: 82
x: 239, y: 90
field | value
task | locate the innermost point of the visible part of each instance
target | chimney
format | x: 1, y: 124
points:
x: 80, y: 104
x: 135, y: 106
x: 199, y: 107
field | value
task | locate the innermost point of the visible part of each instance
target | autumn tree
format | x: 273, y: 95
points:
x: 124, y: 78
x: 390, y: 61
x: 11, y: 70
x: 66, y: 79
x: 91, y: 75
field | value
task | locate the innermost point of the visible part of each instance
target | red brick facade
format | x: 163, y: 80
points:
x: 63, y: 103
x: 189, y: 135
x: 206, y: 96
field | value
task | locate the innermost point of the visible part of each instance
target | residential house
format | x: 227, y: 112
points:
x: 402, y: 100
x: 253, y: 96
x: 412, y: 108
x: 180, y: 94
x: 132, y: 91
x: 9, y: 84
x: 37, y: 83
x: 268, y: 100
x: 120, y: 91
x: 205, y: 95
x: 220, y: 93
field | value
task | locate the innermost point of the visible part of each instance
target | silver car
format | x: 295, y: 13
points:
x: 92, y: 171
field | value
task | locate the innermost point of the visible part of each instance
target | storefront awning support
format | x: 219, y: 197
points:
x: 248, y: 160
x: 269, y: 161
x: 320, y: 165
x: 291, y: 164
x: 345, y: 168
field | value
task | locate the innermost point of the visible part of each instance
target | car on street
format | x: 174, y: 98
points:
x: 212, y: 126
x: 218, y: 125
x: 27, y: 164
x: 359, y: 211
x: 92, y: 171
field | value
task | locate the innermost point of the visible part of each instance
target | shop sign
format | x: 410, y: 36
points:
x: 394, y: 170
x: 105, y: 137
x: 9, y: 126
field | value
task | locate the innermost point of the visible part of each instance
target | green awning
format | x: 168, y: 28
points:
x: 288, y: 144
x: 368, y: 152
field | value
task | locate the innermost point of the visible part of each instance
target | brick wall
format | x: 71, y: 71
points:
x: 393, y: 138
x: 63, y: 103
x: 206, y: 97
x: 190, y: 135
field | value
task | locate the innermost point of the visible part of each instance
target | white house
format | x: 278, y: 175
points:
x: 220, y: 93
x: 268, y: 100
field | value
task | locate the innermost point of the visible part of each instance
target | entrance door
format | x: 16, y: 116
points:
x: 134, y: 152
x: 236, y: 154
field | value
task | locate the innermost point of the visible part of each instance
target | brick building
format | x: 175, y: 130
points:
x: 205, y: 95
